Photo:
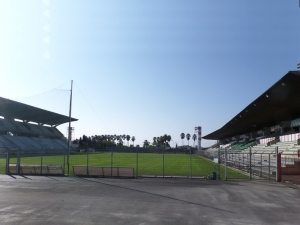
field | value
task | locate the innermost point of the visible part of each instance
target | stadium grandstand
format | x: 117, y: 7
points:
x: 29, y: 129
x: 273, y: 119
x: 269, y: 124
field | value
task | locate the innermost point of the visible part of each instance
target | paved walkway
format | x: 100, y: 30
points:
x: 30, y: 200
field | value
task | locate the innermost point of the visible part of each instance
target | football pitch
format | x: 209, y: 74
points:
x: 143, y: 163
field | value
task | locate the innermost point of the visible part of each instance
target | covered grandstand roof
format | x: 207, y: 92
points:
x: 15, y: 110
x: 281, y: 102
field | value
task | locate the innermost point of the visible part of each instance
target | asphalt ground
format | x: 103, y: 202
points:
x: 70, y: 200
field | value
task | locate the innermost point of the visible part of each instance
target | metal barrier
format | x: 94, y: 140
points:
x: 145, y: 162
x: 255, y: 165
x: 43, y: 163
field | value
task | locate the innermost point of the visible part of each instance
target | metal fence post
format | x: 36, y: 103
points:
x: 269, y: 166
x: 243, y: 161
x: 239, y: 158
x: 250, y: 164
x: 137, y: 163
x: 225, y: 163
x: 261, y: 165
x: 219, y: 164
x: 87, y: 162
x: 7, y: 162
x: 64, y: 163
x: 191, y: 174
x: 18, y: 162
x: 111, y: 162
x: 163, y: 163
x: 68, y: 163
x: 41, y: 171
x: 277, y: 164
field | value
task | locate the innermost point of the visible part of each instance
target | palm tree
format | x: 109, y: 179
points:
x: 165, y: 137
x: 146, y: 144
x: 120, y: 141
x: 194, y: 138
x: 188, y: 136
x: 133, y: 139
x: 168, y: 139
x: 154, y: 141
x: 128, y: 139
x: 158, y: 140
x: 182, y: 135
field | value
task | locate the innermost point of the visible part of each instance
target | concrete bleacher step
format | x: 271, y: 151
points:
x: 16, y: 141
x: 289, y: 153
x: 61, y: 143
x: 6, y: 143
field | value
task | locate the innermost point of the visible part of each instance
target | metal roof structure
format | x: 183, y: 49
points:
x: 281, y: 102
x: 15, y: 110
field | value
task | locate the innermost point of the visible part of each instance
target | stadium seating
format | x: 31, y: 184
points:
x: 62, y: 143
x: 283, y: 147
x: 7, y: 144
x: 16, y: 135
x: 46, y: 143
x: 8, y: 125
x: 31, y: 143
x: 239, y: 146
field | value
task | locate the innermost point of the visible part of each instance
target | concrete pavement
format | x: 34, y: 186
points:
x: 69, y: 200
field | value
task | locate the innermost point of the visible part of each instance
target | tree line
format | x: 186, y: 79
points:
x: 165, y: 140
x: 188, y: 136
x: 107, y: 140
x: 103, y: 141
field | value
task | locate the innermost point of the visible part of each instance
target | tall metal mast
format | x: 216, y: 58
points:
x: 69, y: 131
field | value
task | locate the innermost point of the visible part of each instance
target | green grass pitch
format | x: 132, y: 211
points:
x: 143, y: 163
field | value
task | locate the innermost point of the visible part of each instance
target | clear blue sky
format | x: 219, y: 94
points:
x: 146, y: 68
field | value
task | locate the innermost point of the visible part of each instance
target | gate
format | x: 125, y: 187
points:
x: 254, y: 165
x: 244, y: 164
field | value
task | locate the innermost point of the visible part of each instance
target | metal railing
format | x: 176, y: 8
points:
x: 253, y: 164
x: 158, y: 162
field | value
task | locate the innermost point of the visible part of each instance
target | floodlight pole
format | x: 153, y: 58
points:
x: 69, y: 131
